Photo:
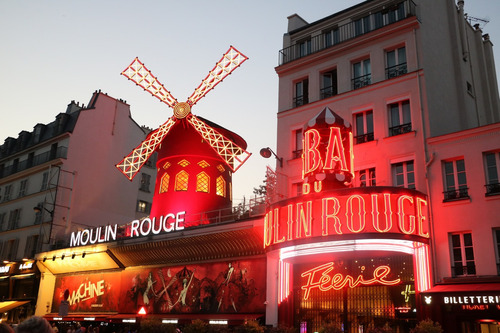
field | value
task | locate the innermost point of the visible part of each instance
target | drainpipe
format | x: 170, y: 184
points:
x: 427, y: 162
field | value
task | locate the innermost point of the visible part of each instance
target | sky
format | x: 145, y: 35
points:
x: 53, y: 52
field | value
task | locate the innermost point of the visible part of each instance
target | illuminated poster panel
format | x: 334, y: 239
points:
x: 88, y: 292
x: 225, y: 287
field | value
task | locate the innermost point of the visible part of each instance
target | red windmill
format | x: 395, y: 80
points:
x: 195, y: 163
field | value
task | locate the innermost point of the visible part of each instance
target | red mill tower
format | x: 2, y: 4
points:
x: 195, y: 156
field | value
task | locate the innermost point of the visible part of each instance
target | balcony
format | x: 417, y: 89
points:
x: 492, y: 189
x: 463, y: 270
x: 361, y: 81
x: 456, y: 194
x: 364, y: 138
x: 401, y: 129
x: 60, y: 152
x: 323, y: 39
x: 328, y: 92
x: 395, y: 71
x: 300, y: 100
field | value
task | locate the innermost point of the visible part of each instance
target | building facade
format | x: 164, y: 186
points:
x: 52, y: 182
x: 417, y: 82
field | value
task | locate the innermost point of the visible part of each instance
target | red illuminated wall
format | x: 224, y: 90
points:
x: 225, y: 287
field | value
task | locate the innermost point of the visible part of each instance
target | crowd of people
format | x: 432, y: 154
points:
x: 37, y: 324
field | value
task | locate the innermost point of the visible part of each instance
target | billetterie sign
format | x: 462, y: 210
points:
x: 137, y: 228
x: 370, y: 210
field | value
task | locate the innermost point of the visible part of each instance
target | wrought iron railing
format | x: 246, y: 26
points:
x: 325, y: 39
x: 395, y: 71
x: 297, y: 153
x: 361, y: 81
x: 456, y: 194
x: 300, y: 100
x: 364, y: 138
x: 328, y: 91
x: 61, y: 152
x: 401, y: 129
x: 492, y: 189
x: 461, y: 270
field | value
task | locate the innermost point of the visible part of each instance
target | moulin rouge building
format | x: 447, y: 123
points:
x: 357, y: 231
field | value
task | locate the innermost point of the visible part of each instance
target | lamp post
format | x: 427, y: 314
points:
x: 267, y: 152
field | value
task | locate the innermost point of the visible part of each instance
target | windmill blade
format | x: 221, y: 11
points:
x: 134, y: 161
x: 138, y: 73
x: 232, y: 154
x: 231, y: 60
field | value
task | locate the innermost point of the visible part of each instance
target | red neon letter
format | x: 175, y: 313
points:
x: 304, y: 219
x: 350, y: 213
x: 312, y: 157
x: 421, y: 218
x: 268, y: 232
x: 289, y: 222
x: 276, y: 227
x: 387, y: 213
x: 410, y: 229
x: 325, y: 216
x: 335, y: 154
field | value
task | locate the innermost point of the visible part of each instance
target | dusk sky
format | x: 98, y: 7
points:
x: 57, y: 51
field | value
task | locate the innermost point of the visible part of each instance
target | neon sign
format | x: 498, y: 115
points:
x: 87, y: 291
x: 327, y: 159
x: 145, y: 227
x: 319, y: 277
x: 350, y: 211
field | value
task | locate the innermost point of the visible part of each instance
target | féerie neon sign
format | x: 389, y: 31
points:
x: 320, y: 277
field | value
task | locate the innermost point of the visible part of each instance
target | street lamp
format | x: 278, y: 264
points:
x: 267, y: 152
x: 39, y: 208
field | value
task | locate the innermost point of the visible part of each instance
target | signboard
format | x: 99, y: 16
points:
x: 223, y: 287
x: 373, y: 210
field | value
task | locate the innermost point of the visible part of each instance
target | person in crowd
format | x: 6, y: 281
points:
x: 34, y: 324
x: 54, y: 328
x: 4, y: 328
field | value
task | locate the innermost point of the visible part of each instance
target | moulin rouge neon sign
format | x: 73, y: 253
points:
x: 329, y: 206
x: 320, y: 277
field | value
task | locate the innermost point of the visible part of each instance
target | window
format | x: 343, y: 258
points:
x: 396, y: 63
x: 363, y: 126
x: 14, y: 217
x: 7, y: 192
x: 328, y: 84
x: 301, y: 93
x: 455, y: 181
x: 366, y: 177
x: 304, y: 48
x: 165, y: 179
x: 145, y: 182
x: 362, y: 26
x: 45, y: 181
x: 181, y: 181
x: 491, y: 166
x: 297, y: 189
x: 297, y: 152
x: 221, y: 186
x: 10, y: 249
x: 462, y: 254
x: 31, y: 246
x: 403, y: 174
x: 361, y: 74
x: 202, y: 182
x: 399, y: 118
x: 3, y: 222
x: 496, y: 239
x: 332, y: 37
x: 143, y: 207
x: 23, y: 188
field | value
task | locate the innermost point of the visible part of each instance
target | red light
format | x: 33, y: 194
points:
x: 142, y: 311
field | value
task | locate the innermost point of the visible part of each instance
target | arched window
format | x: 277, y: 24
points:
x: 165, y: 179
x: 202, y: 182
x: 221, y: 186
x: 181, y: 181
